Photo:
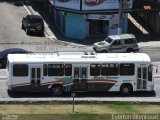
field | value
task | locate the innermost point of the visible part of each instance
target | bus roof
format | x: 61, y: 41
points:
x: 78, y: 57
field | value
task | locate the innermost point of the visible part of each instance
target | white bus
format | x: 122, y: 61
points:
x: 80, y: 71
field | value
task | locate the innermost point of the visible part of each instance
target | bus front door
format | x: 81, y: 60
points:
x: 35, y: 76
x: 142, y: 78
x: 80, y: 79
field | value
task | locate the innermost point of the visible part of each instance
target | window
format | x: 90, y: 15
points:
x: 109, y: 69
x: 139, y: 72
x: 129, y: 41
x: 116, y: 43
x: 20, y: 70
x: 83, y: 72
x: 68, y: 69
x: 127, y: 69
x: 55, y: 70
x: 149, y: 73
x: 95, y: 69
x: 45, y: 70
x: 109, y: 40
x: 144, y: 73
x: 76, y: 72
x: 33, y: 73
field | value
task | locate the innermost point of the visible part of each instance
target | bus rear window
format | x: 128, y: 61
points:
x: 20, y: 70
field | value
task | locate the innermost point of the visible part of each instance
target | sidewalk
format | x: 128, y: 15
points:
x: 53, y: 34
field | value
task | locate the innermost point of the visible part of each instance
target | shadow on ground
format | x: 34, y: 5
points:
x: 79, y: 95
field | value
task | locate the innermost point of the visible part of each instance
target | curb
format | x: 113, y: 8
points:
x: 80, y: 100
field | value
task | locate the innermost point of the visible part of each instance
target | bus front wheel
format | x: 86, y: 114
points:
x: 126, y: 89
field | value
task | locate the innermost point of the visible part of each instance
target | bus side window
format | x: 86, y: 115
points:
x: 95, y: 69
x: 127, y: 69
x: 20, y: 70
x: 55, y: 69
x: 110, y: 69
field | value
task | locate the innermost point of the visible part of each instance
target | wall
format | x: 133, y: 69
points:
x: 75, y: 26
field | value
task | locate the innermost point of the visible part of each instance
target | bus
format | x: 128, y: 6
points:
x: 61, y: 72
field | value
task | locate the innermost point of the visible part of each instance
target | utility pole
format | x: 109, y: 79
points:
x: 120, y: 17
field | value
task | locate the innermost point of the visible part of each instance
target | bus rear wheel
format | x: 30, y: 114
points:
x: 56, y: 90
x: 126, y: 89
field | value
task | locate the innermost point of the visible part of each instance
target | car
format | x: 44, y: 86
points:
x: 33, y: 23
x: 4, y: 54
x: 117, y: 44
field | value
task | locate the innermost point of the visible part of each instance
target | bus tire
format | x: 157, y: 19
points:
x: 126, y: 89
x: 56, y: 90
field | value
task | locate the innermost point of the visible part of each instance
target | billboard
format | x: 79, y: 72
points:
x: 92, y: 4
x: 70, y: 4
x: 105, y: 4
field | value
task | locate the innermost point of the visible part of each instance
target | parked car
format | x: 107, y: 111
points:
x: 33, y: 23
x: 4, y: 53
x: 117, y: 43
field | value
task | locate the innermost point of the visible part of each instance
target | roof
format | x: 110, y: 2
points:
x: 79, y: 57
x: 122, y: 36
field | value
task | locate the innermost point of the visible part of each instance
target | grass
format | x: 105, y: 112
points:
x: 61, y: 111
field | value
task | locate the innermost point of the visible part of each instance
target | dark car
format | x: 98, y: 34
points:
x: 4, y: 53
x: 33, y: 23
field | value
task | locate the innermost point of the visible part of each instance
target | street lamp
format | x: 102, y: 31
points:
x: 120, y: 17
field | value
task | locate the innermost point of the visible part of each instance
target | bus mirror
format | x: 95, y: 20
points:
x: 156, y: 70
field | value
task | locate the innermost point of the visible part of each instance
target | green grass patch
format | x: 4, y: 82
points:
x: 63, y: 111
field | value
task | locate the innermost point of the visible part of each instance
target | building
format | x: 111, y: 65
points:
x: 147, y: 13
x: 79, y: 19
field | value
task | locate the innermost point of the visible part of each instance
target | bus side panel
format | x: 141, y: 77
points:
x: 124, y: 79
